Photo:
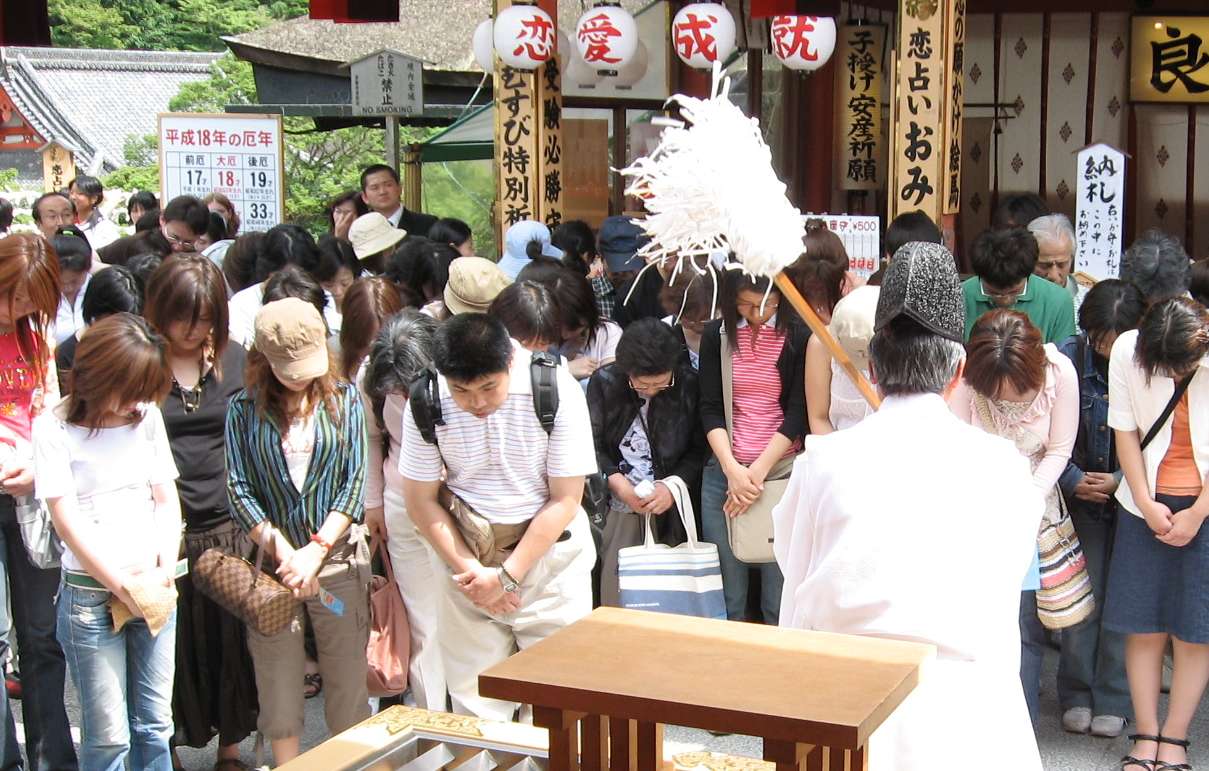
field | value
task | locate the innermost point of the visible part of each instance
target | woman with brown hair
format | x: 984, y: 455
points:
x: 29, y: 298
x: 215, y: 691
x: 105, y: 470
x: 1158, y: 390
x: 296, y: 448
x: 368, y: 302
x: 1027, y: 392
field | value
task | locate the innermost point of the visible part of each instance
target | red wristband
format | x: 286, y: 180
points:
x: 316, y: 538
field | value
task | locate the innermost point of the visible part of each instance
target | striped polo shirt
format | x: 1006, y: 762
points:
x: 258, y: 479
x: 501, y: 464
x: 756, y: 390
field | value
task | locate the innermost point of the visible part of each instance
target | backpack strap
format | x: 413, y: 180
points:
x: 424, y: 395
x: 543, y: 371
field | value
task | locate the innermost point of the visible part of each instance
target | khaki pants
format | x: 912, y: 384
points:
x: 280, y: 660
x: 556, y: 592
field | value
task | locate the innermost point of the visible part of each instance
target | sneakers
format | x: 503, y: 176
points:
x: 1108, y: 726
x: 1077, y: 720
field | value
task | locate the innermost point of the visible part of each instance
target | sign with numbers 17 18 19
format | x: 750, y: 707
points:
x: 239, y: 156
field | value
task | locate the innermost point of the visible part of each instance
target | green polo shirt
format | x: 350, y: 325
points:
x: 1047, y: 305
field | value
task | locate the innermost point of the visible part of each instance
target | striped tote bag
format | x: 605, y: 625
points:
x: 684, y: 579
x: 1065, y: 597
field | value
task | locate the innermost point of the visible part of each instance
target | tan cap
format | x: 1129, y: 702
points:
x: 372, y: 233
x: 852, y: 323
x: 292, y: 336
x: 473, y: 283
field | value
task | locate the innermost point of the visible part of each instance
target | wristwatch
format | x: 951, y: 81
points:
x: 509, y: 583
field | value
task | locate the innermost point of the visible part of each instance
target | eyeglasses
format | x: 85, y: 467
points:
x: 1010, y: 296
x: 653, y: 388
x: 177, y: 240
x: 746, y: 307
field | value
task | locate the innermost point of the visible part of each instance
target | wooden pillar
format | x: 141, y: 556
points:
x: 817, y: 129
x: 925, y: 121
x: 412, y: 179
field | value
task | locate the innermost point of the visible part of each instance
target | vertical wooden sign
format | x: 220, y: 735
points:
x: 550, y: 143
x: 918, y: 131
x: 954, y: 98
x: 860, y: 54
x: 58, y: 167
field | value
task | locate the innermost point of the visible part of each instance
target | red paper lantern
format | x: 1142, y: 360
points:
x: 525, y: 36
x: 803, y: 42
x: 607, y: 37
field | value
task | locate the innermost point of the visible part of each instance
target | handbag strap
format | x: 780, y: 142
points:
x: 378, y: 545
x: 684, y: 504
x: 1180, y: 388
x: 263, y: 546
x: 726, y: 355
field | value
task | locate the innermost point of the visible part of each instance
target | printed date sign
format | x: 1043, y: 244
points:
x: 238, y: 156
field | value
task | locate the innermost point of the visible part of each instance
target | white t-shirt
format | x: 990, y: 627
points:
x: 298, y: 445
x: 501, y: 464
x: 109, y: 471
x: 69, y: 318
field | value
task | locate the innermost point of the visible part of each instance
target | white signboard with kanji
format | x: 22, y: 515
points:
x: 861, y: 236
x: 1099, y: 223
x: 387, y: 83
x: 240, y: 156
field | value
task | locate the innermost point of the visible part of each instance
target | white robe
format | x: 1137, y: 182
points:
x: 916, y: 526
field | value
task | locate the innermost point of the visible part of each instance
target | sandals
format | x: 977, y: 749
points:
x: 1148, y: 764
x: 312, y: 684
x: 1161, y: 766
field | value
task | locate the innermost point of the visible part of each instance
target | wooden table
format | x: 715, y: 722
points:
x: 815, y: 698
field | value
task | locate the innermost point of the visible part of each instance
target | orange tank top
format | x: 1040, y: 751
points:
x: 1178, y: 474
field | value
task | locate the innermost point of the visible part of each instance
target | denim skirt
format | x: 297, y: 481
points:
x: 1156, y: 588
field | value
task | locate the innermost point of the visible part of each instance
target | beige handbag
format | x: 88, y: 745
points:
x: 750, y: 533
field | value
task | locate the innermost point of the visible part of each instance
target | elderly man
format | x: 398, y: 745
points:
x: 1056, y: 254
x: 936, y: 550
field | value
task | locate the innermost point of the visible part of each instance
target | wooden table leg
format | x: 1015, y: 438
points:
x: 594, y: 745
x: 790, y: 756
x: 650, y: 746
x: 623, y: 744
x: 564, y: 741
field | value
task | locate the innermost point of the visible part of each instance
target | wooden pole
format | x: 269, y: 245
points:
x: 791, y: 293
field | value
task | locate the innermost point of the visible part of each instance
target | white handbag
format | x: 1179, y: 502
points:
x: 684, y: 579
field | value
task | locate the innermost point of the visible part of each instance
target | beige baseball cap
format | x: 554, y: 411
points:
x: 372, y: 233
x: 473, y: 283
x: 852, y: 323
x: 293, y: 337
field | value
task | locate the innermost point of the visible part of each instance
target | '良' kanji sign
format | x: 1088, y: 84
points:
x: 387, y: 83
x: 1169, y: 61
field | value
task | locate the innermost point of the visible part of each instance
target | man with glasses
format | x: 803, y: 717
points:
x: 1004, y: 262
x: 182, y: 222
x: 498, y: 499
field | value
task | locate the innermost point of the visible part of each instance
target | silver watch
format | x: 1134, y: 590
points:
x: 509, y: 583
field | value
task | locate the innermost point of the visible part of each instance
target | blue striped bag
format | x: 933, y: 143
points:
x: 684, y: 579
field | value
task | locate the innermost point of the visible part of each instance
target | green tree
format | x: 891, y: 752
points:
x: 168, y: 25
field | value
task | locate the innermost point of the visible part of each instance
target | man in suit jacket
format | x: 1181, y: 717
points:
x: 381, y: 191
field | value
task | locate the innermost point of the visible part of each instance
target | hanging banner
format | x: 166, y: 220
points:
x: 1169, y: 59
x: 516, y: 145
x: 859, y: 53
x: 954, y: 98
x: 240, y: 156
x: 918, y: 130
x: 58, y: 167
x: 1099, y: 223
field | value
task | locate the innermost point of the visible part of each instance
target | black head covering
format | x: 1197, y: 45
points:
x: 921, y: 284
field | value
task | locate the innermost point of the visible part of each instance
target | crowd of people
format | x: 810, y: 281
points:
x: 498, y: 431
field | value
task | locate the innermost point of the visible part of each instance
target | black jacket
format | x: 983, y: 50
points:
x: 791, y: 366
x: 645, y: 303
x: 416, y: 223
x: 678, y: 445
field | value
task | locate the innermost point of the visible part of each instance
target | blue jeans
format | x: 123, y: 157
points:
x: 1091, y: 668
x: 736, y: 575
x: 124, y: 680
x: 48, y: 744
x: 1032, y: 652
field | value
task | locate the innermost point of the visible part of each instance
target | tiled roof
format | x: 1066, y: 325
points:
x: 92, y: 100
x: 438, y: 32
